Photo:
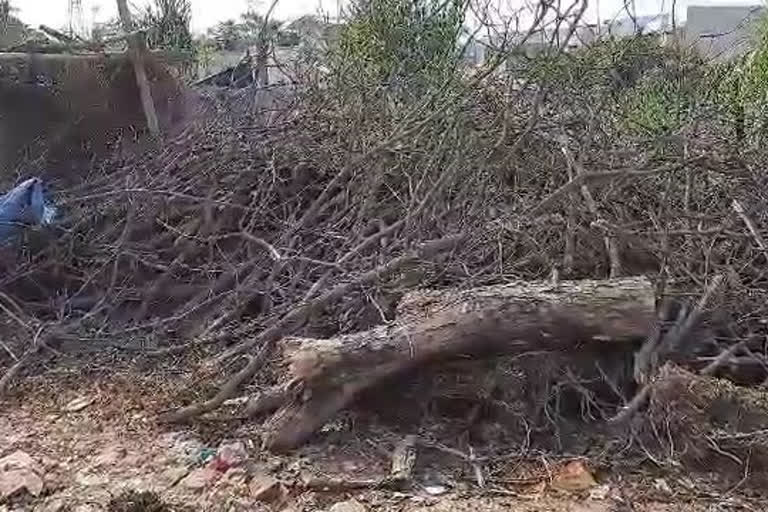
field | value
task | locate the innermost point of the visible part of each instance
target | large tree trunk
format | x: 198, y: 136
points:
x: 324, y: 376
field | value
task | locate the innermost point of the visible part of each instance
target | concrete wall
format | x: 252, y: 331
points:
x: 66, y: 110
x: 721, y: 32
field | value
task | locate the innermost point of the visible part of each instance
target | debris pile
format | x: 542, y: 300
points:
x: 318, y: 218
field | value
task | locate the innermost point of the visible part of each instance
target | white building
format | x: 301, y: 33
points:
x: 722, y: 32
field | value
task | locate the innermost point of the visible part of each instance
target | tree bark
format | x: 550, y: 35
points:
x: 136, y: 50
x: 324, y: 376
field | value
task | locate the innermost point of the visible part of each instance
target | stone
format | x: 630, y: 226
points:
x: 19, y: 473
x: 347, y: 506
x: 235, y: 477
x: 172, y: 476
x: 19, y: 480
x: 84, y: 508
x: 435, y: 490
x: 19, y: 459
x: 91, y: 479
x: 78, y: 404
x: 265, y: 488
x: 53, y: 505
x: 599, y: 493
x: 48, y: 463
x: 199, y: 478
x: 110, y: 456
x: 574, y: 476
x: 662, y: 485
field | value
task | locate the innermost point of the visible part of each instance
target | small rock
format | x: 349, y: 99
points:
x: 19, y: 473
x: 435, y: 490
x: 234, y: 476
x: 91, y: 480
x: 78, y: 404
x: 347, y: 506
x: 600, y: 492
x: 662, y: 485
x: 135, y: 485
x: 48, y: 463
x: 199, y: 478
x: 265, y: 488
x: 574, y: 476
x: 17, y: 460
x: 84, y: 508
x: 18, y: 480
x: 110, y: 455
x: 173, y: 476
x: 54, y: 505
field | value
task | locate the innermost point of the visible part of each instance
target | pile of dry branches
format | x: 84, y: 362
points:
x: 315, y: 216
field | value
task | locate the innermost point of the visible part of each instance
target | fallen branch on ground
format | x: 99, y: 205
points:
x: 295, y: 319
x: 327, y: 375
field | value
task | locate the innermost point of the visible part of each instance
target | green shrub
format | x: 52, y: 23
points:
x: 413, y: 42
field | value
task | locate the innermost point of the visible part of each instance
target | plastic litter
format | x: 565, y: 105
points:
x: 23, y: 206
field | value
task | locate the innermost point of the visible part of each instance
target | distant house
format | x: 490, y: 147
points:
x: 529, y: 45
x: 722, y: 32
x: 628, y: 27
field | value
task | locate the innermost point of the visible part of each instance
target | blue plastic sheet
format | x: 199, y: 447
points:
x: 24, y: 205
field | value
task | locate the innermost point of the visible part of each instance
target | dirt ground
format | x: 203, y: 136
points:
x: 95, y: 437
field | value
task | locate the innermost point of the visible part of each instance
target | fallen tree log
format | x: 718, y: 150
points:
x: 324, y: 376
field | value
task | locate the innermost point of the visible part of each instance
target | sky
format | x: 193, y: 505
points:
x: 206, y: 13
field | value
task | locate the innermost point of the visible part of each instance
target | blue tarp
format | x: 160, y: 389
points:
x: 24, y: 205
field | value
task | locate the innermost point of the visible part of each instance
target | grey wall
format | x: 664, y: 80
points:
x: 721, y: 32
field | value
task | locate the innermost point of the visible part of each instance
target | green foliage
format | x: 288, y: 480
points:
x: 741, y: 87
x: 656, y: 107
x: 227, y: 35
x: 752, y: 72
x: 738, y: 89
x: 401, y: 41
x: 239, y: 35
x: 608, y: 65
x: 168, y: 24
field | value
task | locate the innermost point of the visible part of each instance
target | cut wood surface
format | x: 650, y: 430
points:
x: 327, y: 375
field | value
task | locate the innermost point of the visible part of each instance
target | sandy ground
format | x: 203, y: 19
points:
x: 95, y: 438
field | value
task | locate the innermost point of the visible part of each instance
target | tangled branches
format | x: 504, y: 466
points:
x: 316, y: 214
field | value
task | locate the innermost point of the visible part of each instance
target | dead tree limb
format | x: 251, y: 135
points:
x: 296, y: 318
x: 611, y: 246
x: 508, y: 319
x: 657, y: 349
x: 136, y: 51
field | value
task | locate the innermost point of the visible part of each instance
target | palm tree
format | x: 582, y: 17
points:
x: 6, y: 10
x: 168, y: 24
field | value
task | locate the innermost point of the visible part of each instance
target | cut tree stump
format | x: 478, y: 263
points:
x: 324, y: 376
